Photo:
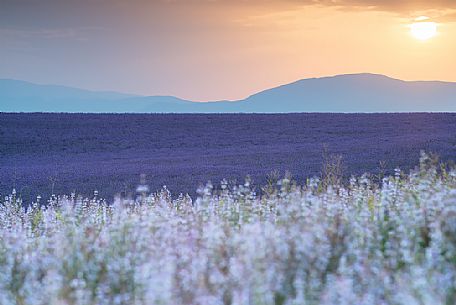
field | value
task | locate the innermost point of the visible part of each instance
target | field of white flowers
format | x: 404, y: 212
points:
x: 392, y: 242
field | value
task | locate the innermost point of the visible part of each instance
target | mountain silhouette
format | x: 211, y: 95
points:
x: 342, y: 93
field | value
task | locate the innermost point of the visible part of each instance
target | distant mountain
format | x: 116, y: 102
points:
x: 356, y: 93
x: 343, y: 93
x: 20, y: 96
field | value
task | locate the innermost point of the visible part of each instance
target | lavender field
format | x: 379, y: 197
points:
x: 64, y: 153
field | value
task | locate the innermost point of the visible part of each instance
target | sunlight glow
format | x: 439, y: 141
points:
x: 423, y: 29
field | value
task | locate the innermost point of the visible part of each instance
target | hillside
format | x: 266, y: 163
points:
x: 343, y: 93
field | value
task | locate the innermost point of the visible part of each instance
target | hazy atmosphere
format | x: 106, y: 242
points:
x: 216, y: 50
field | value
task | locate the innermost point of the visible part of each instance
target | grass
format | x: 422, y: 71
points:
x: 365, y: 242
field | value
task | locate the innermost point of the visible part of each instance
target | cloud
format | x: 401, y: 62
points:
x: 407, y: 7
x: 60, y: 33
x: 393, y: 5
x: 77, y: 13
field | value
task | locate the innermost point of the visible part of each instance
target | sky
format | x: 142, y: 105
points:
x: 205, y: 50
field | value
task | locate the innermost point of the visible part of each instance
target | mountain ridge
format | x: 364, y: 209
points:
x: 358, y: 92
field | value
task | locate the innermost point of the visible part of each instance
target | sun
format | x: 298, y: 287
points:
x: 423, y: 29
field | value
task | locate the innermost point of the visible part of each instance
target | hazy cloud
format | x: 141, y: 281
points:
x: 440, y: 8
x: 70, y: 33
x: 444, y: 9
